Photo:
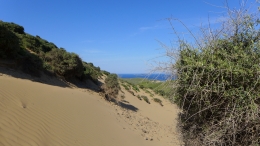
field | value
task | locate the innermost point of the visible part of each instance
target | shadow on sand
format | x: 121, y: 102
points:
x: 50, y: 79
x: 124, y: 104
x: 127, y: 106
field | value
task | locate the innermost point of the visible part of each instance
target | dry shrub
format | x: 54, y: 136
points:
x: 218, y: 84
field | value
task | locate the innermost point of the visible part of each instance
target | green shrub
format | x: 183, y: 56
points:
x: 141, y: 86
x: 9, y: 43
x: 106, y: 72
x: 131, y: 92
x: 135, y: 88
x: 147, y: 91
x: 145, y: 99
x: 91, y: 72
x: 64, y: 63
x: 139, y: 97
x: 218, y: 85
x: 122, y: 96
x: 126, y: 87
x: 111, y: 87
x: 160, y: 92
x: 13, y: 27
x: 158, y: 101
x: 112, y: 81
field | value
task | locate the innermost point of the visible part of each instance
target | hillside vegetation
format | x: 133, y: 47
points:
x: 34, y: 55
x: 158, y: 87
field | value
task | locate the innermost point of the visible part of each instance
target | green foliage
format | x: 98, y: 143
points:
x: 35, y: 54
x: 158, y: 101
x: 160, y: 88
x: 134, y: 87
x: 105, y: 72
x: 218, y: 87
x: 122, y: 96
x: 13, y: 27
x: 112, y: 81
x: 91, y: 72
x: 64, y: 63
x: 145, y: 98
x: 37, y: 44
x: 131, y: 92
x: 160, y: 92
x: 9, y: 43
x: 151, y: 84
x: 112, y: 86
x: 141, y: 86
x: 139, y: 97
x: 125, y: 86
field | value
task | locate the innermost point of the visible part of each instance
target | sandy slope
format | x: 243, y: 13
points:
x: 33, y: 113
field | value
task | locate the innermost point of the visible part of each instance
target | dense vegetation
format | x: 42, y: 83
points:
x: 34, y: 55
x: 111, y: 87
x: 218, y: 84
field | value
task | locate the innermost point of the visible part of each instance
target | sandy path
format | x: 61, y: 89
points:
x: 36, y: 114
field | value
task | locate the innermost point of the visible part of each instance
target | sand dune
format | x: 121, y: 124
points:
x: 37, y: 114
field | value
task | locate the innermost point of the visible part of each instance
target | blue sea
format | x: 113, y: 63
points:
x: 159, y: 77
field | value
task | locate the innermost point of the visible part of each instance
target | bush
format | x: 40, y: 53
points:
x: 126, y: 87
x: 64, y: 63
x: 111, y: 87
x: 131, y: 92
x: 14, y: 27
x: 145, y: 99
x: 112, y: 81
x: 91, y: 72
x: 135, y: 88
x: 158, y: 101
x: 122, y: 96
x: 106, y: 72
x: 141, y: 86
x: 218, y: 85
x: 9, y: 43
x: 139, y: 97
x: 160, y: 92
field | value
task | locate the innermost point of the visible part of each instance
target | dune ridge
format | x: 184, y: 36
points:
x: 34, y: 113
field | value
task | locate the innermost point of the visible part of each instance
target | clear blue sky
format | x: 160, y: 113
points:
x: 117, y: 35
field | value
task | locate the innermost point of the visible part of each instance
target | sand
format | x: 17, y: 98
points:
x: 38, y: 114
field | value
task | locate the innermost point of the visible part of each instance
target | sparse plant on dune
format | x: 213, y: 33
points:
x: 126, y: 87
x: 139, y: 97
x: 158, y: 101
x: 122, y: 96
x: 131, y: 92
x: 145, y: 98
